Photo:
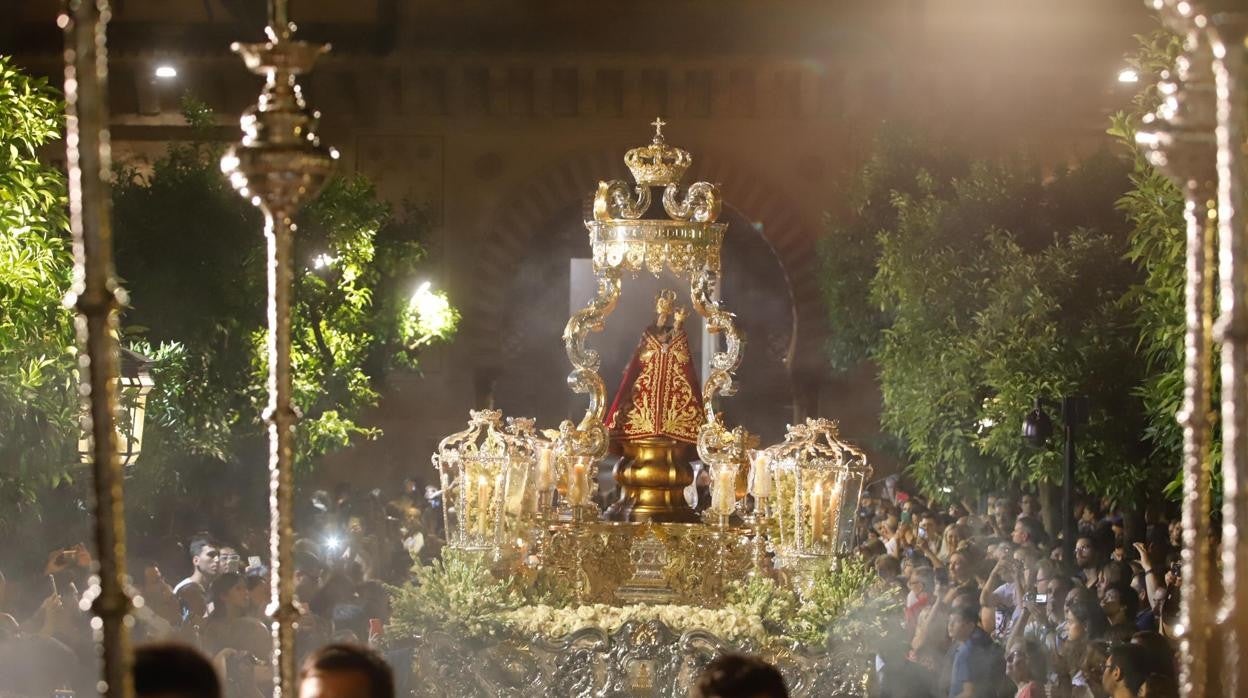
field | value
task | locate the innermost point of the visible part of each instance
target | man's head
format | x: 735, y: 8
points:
x: 1005, y: 513
x: 308, y: 571
x: 1028, y: 531
x: 345, y: 671
x: 962, y: 622
x: 229, y: 594
x: 1120, y: 604
x: 1125, y: 668
x: 1086, y: 553
x: 205, y: 556
x: 169, y: 670
x: 739, y: 676
x: 1030, y: 504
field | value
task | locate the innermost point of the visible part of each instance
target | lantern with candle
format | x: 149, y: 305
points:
x: 485, y: 472
x: 813, y: 481
x: 725, y: 452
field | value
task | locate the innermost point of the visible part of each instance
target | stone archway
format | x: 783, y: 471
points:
x: 518, y: 222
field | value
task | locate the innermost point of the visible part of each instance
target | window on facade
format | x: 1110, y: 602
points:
x: 653, y: 92
x: 787, y: 100
x: 698, y: 93
x: 476, y: 90
x: 520, y: 91
x: 431, y: 90
x: 565, y: 92
x: 609, y: 92
x: 742, y: 92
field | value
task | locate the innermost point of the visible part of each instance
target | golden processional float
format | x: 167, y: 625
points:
x: 537, y: 484
x: 522, y: 498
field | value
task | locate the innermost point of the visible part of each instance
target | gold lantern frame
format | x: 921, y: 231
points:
x: 816, y: 480
x: 484, y: 471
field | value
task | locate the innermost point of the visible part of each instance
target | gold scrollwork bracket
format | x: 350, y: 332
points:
x: 591, y: 436
x: 723, y: 364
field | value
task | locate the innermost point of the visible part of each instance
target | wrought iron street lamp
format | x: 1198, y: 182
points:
x: 134, y: 383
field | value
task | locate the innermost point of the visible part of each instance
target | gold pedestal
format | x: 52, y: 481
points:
x: 653, y: 476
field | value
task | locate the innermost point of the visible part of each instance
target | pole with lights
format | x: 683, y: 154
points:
x: 96, y: 297
x: 279, y: 165
x: 1179, y: 140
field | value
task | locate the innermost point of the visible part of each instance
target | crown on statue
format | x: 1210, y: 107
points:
x: 658, y: 164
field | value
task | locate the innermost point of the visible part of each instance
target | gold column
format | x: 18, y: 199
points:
x: 1227, y: 27
x: 278, y: 166
x: 1180, y: 141
x: 95, y: 296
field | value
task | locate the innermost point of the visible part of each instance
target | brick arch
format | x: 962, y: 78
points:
x: 519, y: 221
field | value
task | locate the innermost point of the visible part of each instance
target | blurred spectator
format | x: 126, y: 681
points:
x: 345, y: 671
x: 173, y: 671
x: 1125, y: 671
x: 739, y: 676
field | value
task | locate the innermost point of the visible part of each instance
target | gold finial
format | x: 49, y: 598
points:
x: 658, y: 125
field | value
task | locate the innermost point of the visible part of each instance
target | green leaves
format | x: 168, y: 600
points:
x: 988, y: 286
x: 1154, y: 206
x: 38, y: 400
x: 192, y: 254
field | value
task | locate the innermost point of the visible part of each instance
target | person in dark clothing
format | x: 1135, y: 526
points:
x: 976, y: 665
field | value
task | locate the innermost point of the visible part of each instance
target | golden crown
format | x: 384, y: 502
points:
x: 658, y: 164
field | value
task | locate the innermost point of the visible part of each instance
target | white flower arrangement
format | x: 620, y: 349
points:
x: 730, y: 623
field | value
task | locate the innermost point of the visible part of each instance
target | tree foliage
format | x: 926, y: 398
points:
x: 1154, y: 206
x: 976, y: 287
x: 1004, y: 289
x: 38, y: 400
x: 901, y: 162
x: 191, y: 252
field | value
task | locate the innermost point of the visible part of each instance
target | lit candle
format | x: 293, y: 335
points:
x: 816, y: 508
x: 760, y: 479
x: 724, y: 495
x: 835, y: 507
x: 578, y: 488
x: 483, y: 502
x: 545, y: 468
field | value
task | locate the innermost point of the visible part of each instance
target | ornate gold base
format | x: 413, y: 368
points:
x: 653, y: 476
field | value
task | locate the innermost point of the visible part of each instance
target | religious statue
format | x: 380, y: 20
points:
x: 654, y: 421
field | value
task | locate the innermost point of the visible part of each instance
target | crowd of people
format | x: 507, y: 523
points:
x: 989, y: 606
x: 354, y: 545
x: 993, y: 608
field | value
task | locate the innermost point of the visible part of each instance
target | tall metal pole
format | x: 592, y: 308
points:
x: 279, y: 165
x: 1179, y: 140
x: 1227, y: 30
x: 95, y: 296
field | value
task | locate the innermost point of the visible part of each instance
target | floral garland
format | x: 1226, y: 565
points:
x: 458, y: 594
x: 729, y: 623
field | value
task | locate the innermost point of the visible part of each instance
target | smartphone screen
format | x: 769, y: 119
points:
x: 253, y: 561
